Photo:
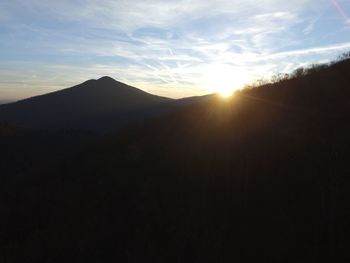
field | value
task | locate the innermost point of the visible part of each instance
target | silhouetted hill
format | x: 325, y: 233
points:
x: 101, y: 104
x: 262, y: 177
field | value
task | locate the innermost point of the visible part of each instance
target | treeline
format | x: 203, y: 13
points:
x: 297, y: 73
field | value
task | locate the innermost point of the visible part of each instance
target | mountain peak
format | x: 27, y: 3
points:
x: 106, y: 78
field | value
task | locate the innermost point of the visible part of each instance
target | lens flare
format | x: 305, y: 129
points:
x: 341, y: 12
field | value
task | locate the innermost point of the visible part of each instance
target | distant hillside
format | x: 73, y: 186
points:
x: 95, y: 104
x: 5, y: 101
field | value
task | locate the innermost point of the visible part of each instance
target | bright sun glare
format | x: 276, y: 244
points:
x: 226, y: 92
x: 221, y: 80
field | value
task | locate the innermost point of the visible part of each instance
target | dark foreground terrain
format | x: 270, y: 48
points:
x: 262, y: 177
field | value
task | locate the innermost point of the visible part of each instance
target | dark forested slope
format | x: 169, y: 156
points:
x: 261, y: 177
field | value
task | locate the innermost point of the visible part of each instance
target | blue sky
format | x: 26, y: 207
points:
x: 171, y: 48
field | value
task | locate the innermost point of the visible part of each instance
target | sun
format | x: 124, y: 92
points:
x: 225, y: 80
x: 225, y: 92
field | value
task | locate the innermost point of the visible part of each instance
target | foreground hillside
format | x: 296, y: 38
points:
x: 262, y: 177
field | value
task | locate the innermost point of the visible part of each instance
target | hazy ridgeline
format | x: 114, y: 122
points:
x: 260, y: 177
x: 5, y: 101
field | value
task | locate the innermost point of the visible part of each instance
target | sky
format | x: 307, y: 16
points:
x: 170, y: 48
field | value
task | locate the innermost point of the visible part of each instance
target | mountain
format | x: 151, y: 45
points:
x: 101, y: 104
x: 263, y: 176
